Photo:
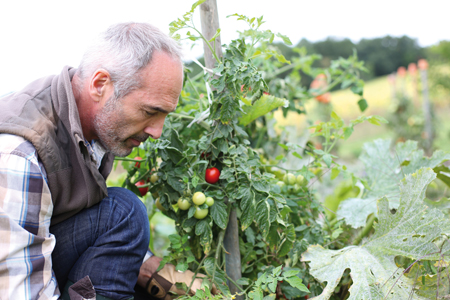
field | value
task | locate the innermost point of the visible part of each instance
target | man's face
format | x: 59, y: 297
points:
x: 123, y: 124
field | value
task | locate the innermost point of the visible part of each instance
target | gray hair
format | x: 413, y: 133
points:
x: 123, y: 50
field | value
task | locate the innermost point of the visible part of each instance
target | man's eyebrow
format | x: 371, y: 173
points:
x: 150, y: 107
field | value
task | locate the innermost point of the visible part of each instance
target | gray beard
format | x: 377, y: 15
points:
x: 111, y: 130
x: 107, y: 129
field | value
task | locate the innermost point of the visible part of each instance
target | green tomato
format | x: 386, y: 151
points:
x: 154, y: 178
x: 198, y: 198
x: 209, y: 201
x: 281, y: 184
x: 301, y: 181
x: 290, y: 179
x: 183, y: 204
x: 297, y: 188
x: 200, y: 213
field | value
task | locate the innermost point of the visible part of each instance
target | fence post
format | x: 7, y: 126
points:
x: 428, y: 130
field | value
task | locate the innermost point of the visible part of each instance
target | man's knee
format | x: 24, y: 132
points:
x: 135, y: 211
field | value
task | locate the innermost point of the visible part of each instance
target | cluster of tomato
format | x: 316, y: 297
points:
x: 297, y: 182
x: 198, y: 199
x: 143, y: 183
x: 211, y: 176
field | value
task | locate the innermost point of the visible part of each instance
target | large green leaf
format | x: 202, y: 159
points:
x: 261, y: 107
x: 384, y: 171
x: 410, y: 232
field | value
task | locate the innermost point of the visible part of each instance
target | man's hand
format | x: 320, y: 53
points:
x: 147, y: 269
x: 160, y: 283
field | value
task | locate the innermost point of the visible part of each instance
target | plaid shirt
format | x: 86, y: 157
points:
x: 26, y: 208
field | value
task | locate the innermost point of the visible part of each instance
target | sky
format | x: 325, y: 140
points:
x: 39, y: 37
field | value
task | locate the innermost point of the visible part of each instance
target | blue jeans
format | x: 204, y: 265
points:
x: 107, y: 242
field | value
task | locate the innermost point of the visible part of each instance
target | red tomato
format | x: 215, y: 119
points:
x: 205, y: 155
x: 212, y: 175
x: 138, y: 164
x: 142, y: 190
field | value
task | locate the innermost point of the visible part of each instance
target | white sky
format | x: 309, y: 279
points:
x: 39, y: 37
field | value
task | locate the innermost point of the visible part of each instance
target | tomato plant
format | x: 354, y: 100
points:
x: 222, y: 128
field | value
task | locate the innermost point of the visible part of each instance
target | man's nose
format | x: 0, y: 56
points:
x: 155, y: 129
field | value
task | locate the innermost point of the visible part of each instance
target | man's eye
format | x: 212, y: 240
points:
x: 150, y: 113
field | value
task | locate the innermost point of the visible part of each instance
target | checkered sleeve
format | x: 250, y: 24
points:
x: 26, y: 208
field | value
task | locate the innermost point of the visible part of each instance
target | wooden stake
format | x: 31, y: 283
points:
x: 210, y: 23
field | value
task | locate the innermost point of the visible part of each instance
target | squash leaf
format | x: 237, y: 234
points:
x: 412, y: 231
x: 384, y: 172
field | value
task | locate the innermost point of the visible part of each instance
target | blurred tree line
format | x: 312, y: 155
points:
x: 382, y: 56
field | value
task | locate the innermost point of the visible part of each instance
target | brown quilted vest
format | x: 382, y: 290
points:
x: 45, y: 113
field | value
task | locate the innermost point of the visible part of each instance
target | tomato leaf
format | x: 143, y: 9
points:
x: 288, y: 241
x: 362, y: 103
x: 297, y: 155
x: 204, y: 231
x: 248, y: 208
x: 334, y: 173
x: 220, y: 279
x: 191, y: 211
x: 262, y: 217
x: 327, y: 159
x: 283, y: 146
x: 219, y: 214
x: 182, y: 267
x: 256, y: 294
x: 297, y: 283
x: 265, y: 104
x: 176, y: 184
x: 285, y: 39
x: 261, y: 186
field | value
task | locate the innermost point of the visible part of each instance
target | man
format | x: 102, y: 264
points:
x: 62, y: 229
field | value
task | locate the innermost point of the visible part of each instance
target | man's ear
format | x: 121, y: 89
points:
x: 100, y: 85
